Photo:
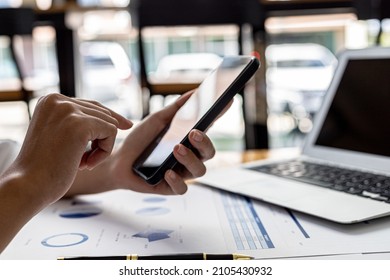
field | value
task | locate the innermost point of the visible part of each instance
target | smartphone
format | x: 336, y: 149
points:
x: 199, y: 112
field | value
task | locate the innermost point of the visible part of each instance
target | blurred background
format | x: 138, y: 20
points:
x: 297, y: 41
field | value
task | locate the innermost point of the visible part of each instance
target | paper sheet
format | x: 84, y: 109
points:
x: 203, y: 220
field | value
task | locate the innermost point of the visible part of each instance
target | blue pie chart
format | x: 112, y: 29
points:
x: 64, y: 240
x: 80, y: 212
x: 153, y: 211
x: 154, y: 199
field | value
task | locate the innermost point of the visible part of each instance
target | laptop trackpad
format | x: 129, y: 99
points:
x: 278, y: 189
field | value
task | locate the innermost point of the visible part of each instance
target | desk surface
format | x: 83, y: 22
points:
x: 202, y: 220
x: 229, y: 158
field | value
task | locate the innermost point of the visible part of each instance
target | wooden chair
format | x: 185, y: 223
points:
x: 173, y: 13
x: 150, y: 13
x: 16, y: 22
x: 372, y: 9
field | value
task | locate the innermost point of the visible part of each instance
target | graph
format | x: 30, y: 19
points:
x: 154, y: 234
x: 154, y: 199
x: 64, y: 240
x: 152, y: 211
x: 247, y: 229
x: 80, y: 212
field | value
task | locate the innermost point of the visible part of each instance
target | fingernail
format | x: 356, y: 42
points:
x: 182, y: 150
x: 172, y: 175
x: 130, y: 122
x: 197, y: 136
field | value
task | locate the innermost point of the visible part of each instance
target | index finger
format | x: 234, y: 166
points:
x: 169, y: 112
x: 123, y: 123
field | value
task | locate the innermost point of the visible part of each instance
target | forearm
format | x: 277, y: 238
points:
x: 92, y: 181
x: 17, y: 206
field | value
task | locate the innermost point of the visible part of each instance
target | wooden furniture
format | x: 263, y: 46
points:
x: 16, y: 22
x: 149, y: 13
x: 372, y: 9
x: 232, y: 158
x: 56, y: 17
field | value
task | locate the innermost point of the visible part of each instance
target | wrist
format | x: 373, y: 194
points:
x: 97, y: 180
x: 17, y: 205
x: 20, y: 187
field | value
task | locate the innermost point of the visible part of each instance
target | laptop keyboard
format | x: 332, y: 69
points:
x: 365, y: 184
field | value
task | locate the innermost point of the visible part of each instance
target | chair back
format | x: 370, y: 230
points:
x: 195, y: 12
x: 16, y: 21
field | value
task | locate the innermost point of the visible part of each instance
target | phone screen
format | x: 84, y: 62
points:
x: 200, y: 110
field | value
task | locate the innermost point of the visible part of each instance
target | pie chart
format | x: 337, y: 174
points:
x: 64, y: 240
x: 80, y: 212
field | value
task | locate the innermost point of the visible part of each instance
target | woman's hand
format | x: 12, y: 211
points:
x: 117, y: 171
x: 55, y: 146
x: 53, y: 151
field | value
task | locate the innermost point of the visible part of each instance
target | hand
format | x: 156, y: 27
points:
x: 53, y: 151
x: 55, y: 145
x: 116, y: 172
x: 140, y: 138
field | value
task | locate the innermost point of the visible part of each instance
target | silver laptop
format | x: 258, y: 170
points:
x: 343, y: 172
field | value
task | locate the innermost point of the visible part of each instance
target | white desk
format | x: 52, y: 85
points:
x: 203, y: 220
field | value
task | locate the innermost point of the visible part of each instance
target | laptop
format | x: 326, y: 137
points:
x: 343, y: 171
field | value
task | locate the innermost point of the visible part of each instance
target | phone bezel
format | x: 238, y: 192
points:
x: 204, y: 122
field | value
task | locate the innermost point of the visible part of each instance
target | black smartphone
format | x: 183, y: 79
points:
x: 199, y: 111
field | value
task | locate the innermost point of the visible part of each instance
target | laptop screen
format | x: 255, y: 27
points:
x: 358, y: 118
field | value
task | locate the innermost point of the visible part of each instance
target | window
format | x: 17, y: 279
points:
x: 301, y: 57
